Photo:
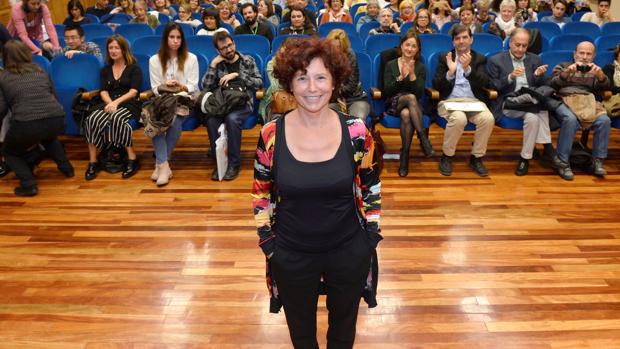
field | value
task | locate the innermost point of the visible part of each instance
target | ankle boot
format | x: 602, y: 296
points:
x: 403, y: 169
x: 165, y: 173
x: 425, y: 144
x: 155, y: 173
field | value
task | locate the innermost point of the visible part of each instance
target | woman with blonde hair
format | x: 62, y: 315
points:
x: 142, y: 15
x: 124, y: 6
x: 407, y: 11
x: 227, y: 13
x: 185, y: 16
x: 351, y: 93
x: 120, y: 83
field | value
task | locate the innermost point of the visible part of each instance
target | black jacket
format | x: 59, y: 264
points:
x: 478, y: 78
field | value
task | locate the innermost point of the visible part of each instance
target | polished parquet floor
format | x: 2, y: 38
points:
x: 500, y: 262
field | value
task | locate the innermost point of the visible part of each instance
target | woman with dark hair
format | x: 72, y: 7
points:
x: 27, y: 18
x: 299, y: 24
x: 324, y: 233
x: 120, y: 82
x: 335, y: 12
x: 142, y: 15
x: 211, y: 22
x: 404, y: 85
x: 266, y: 12
x: 36, y: 116
x: 422, y: 23
x: 525, y: 13
x: 76, y: 14
x: 351, y: 91
x: 172, y: 68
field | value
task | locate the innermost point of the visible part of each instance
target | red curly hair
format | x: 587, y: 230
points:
x: 298, y: 54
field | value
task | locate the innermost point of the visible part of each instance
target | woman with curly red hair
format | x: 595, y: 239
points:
x: 324, y: 234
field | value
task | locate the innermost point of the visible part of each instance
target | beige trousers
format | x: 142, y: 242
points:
x: 457, y: 120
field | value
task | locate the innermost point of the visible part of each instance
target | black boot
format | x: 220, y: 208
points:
x: 92, y: 170
x: 425, y: 145
x: 403, y: 169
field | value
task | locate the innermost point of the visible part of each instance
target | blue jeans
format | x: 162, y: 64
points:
x: 164, y: 144
x: 570, y: 125
x: 233, y: 122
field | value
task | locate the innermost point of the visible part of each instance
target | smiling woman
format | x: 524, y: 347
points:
x: 326, y: 233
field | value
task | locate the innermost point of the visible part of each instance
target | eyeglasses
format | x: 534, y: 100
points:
x: 225, y: 48
x: 72, y: 37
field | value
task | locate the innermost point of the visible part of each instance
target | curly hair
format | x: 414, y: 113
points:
x: 301, y: 51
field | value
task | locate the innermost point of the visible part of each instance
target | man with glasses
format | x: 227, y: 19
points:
x: 75, y: 43
x: 231, y: 68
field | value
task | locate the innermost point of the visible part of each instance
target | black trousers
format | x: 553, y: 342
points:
x: 298, y: 277
x: 21, y: 141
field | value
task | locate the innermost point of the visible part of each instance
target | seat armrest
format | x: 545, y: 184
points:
x: 434, y: 94
x: 491, y: 94
x: 89, y: 95
x: 376, y: 93
x: 146, y: 95
x: 260, y: 94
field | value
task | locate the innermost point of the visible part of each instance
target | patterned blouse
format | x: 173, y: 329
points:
x: 367, y: 193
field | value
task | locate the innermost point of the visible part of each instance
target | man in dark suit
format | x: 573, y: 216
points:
x: 461, y: 79
x: 509, y: 72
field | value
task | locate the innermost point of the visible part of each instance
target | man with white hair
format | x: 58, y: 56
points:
x: 577, y: 82
x: 386, y: 24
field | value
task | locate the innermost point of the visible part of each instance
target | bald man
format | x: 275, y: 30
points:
x: 577, y: 82
x: 509, y: 72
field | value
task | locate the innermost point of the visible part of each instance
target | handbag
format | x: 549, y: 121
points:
x: 282, y: 102
x: 612, y: 105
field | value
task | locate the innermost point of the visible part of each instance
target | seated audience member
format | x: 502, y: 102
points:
x: 602, y: 14
x: 299, y: 23
x: 558, y: 10
x: 506, y: 19
x: 394, y: 6
x: 335, y: 12
x: 100, y: 9
x: 172, y: 68
x: 77, y: 14
x: 142, y: 15
x: 226, y: 14
x: 75, y: 43
x: 301, y: 4
x: 211, y: 22
x: 422, y: 23
x: 461, y: 77
x: 36, y: 116
x: 441, y: 13
x: 582, y: 6
x: 612, y: 71
x: 185, y: 16
x: 231, y: 67
x: 266, y: 11
x: 525, y: 13
x: 251, y: 23
x: 351, y: 91
x: 386, y: 24
x: 407, y: 11
x: 544, y: 5
x: 27, y: 20
x: 466, y: 14
x: 484, y: 16
x: 372, y: 14
x: 120, y: 82
x: 163, y: 7
x: 510, y: 71
x: 403, y: 82
x: 194, y: 6
x: 124, y: 6
x: 577, y: 82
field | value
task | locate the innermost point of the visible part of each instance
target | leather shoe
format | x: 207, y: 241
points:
x: 445, y: 165
x: 231, y: 173
x: 131, y: 168
x: 522, y: 167
x: 597, y: 167
x: 403, y: 169
x: 478, y: 167
x: 26, y: 191
x: 92, y: 170
x: 214, y: 175
x: 67, y: 170
x: 425, y: 145
x: 4, y: 169
x: 563, y: 169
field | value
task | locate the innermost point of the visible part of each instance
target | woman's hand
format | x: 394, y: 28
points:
x: 110, y: 107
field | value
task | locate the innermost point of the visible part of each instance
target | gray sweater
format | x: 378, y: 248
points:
x: 29, y: 96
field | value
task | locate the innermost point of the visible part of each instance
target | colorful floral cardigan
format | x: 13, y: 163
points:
x: 367, y: 189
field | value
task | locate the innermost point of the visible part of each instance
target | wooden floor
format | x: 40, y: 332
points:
x: 467, y: 262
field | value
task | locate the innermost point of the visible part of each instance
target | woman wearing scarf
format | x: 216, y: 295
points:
x: 336, y: 13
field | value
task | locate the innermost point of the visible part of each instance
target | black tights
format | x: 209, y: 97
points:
x: 410, y: 119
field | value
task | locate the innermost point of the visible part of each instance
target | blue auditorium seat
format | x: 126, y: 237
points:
x: 432, y: 43
x: 583, y: 28
x: 42, y: 62
x: 610, y: 28
x: 325, y: 28
x: 252, y: 43
x: 202, y: 44
x: 366, y: 28
x: 547, y: 29
x: 279, y: 40
x: 607, y: 42
x: 133, y: 31
x: 96, y: 30
x: 188, y: 30
x: 375, y: 44
x: 148, y: 45
x: 568, y: 41
x: 553, y: 58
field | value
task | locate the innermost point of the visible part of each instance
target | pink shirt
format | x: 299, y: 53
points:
x: 18, y: 26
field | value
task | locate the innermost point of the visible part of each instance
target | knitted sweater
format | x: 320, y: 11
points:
x: 29, y: 96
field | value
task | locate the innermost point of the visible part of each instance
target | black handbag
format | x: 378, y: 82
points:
x: 81, y: 108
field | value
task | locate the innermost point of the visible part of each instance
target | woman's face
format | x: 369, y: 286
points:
x: 409, y: 48
x: 313, y: 89
x: 262, y: 8
x: 124, y: 3
x: 194, y: 5
x: 210, y: 23
x: 34, y: 5
x: 75, y: 12
x: 174, y: 40
x: 336, y: 5
x: 139, y: 11
x: 522, y: 3
x: 160, y: 3
x: 183, y: 14
x: 224, y: 12
x: 507, y: 13
x: 297, y: 19
x: 372, y: 10
x: 114, y: 50
x: 467, y: 17
x: 407, y: 10
x: 483, y: 13
x: 423, y: 19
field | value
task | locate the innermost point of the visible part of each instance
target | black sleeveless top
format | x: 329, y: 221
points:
x: 316, y: 208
